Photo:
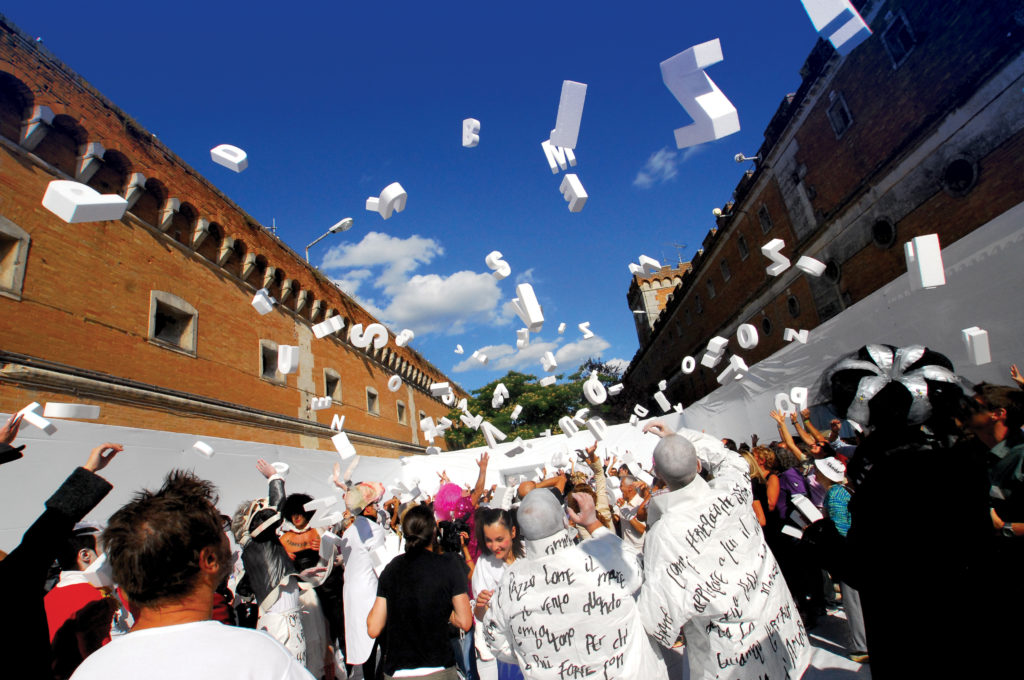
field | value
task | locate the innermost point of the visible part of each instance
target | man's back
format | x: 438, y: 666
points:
x: 204, y: 649
x: 568, y: 611
x: 709, y: 572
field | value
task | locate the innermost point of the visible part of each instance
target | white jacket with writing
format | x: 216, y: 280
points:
x: 710, y: 574
x: 568, y: 611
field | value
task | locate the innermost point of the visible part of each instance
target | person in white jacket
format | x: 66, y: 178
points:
x: 710, y: 575
x: 568, y: 610
x: 358, y: 543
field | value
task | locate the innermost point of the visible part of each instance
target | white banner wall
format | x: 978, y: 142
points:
x: 984, y: 281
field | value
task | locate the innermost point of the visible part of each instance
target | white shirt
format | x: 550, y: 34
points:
x: 709, y: 572
x: 197, y: 651
x: 633, y: 539
x: 486, y: 576
x: 567, y: 611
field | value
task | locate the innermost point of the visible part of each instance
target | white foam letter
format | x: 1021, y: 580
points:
x: 713, y: 114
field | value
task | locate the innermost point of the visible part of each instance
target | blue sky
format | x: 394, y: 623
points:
x: 334, y: 101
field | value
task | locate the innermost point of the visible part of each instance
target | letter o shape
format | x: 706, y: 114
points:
x: 689, y: 364
x: 783, y: 404
x: 394, y: 383
x: 746, y: 334
x: 595, y: 392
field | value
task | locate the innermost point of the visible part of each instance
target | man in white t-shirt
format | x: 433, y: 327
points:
x: 168, y: 553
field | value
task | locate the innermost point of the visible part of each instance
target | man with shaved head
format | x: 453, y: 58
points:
x: 709, y: 576
x: 567, y: 610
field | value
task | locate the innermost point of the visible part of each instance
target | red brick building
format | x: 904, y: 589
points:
x: 919, y: 130
x: 150, y: 316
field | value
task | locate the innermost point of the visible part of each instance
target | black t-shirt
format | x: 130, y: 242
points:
x: 419, y: 588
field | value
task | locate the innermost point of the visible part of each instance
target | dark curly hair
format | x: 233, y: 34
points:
x: 154, y: 542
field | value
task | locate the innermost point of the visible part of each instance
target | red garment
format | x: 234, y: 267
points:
x: 79, y: 619
x: 62, y: 603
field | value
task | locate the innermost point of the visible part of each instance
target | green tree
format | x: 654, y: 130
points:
x: 542, y: 406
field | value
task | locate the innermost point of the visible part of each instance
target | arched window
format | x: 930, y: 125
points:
x: 209, y: 247
x: 60, y: 146
x: 112, y: 174
x: 15, y: 106
x: 148, y: 205
x: 183, y: 223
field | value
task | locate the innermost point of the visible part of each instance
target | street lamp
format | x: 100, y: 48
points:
x: 344, y: 225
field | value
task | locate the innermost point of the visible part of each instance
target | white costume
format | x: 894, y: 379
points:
x: 360, y: 592
x: 486, y: 576
x: 710, y: 573
x: 567, y: 611
x: 197, y: 651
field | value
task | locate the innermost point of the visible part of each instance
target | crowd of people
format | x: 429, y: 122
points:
x: 729, y: 552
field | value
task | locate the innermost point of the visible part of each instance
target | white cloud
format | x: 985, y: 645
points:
x: 398, y: 256
x: 691, y: 152
x: 660, y: 167
x: 504, y: 358
x: 617, y: 364
x: 525, y: 277
x: 430, y: 303
x: 351, y: 281
x: 423, y: 302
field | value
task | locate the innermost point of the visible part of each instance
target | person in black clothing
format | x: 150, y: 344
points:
x: 417, y: 594
x: 916, y: 549
x: 24, y: 570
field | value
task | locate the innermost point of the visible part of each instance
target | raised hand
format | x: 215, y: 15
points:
x: 101, y: 456
x: 587, y: 514
x: 659, y: 428
x: 265, y: 468
x: 10, y: 430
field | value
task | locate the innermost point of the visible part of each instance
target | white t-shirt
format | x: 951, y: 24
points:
x: 633, y: 539
x: 486, y: 576
x: 204, y: 649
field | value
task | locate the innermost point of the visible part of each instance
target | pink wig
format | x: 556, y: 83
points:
x: 450, y: 504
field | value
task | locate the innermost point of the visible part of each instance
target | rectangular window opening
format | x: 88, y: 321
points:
x: 268, y: 361
x: 839, y: 116
x: 765, y: 218
x: 8, y: 258
x: 898, y: 40
x: 332, y: 385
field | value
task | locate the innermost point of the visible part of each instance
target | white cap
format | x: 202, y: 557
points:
x: 832, y: 468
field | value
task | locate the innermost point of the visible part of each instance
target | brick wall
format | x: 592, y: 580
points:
x: 85, y: 301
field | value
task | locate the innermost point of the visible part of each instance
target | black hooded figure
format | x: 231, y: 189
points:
x: 919, y: 509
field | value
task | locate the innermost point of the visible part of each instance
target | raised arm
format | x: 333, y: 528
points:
x: 833, y: 429
x: 478, y: 490
x: 600, y: 484
x: 805, y: 436
x: 813, y: 431
x: 276, y: 493
x: 787, y: 438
